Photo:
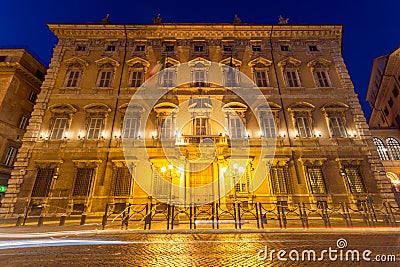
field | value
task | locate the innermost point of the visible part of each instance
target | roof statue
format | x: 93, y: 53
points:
x: 237, y: 20
x: 157, y: 20
x: 283, y: 20
x: 106, y: 20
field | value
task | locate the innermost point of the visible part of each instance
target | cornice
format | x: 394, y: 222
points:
x: 211, y: 31
x: 16, y: 66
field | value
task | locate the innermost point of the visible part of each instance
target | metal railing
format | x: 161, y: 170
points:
x: 235, y: 215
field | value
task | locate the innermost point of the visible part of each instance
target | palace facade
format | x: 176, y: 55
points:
x: 384, y: 123
x: 21, y: 76
x: 72, y: 158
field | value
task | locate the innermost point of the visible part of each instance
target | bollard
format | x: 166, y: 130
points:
x: 62, y: 220
x: 19, y: 220
x: 40, y: 221
x: 83, y: 219
x: 104, y: 221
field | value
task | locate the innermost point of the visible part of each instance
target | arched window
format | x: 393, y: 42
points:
x: 380, y: 147
x: 394, y: 148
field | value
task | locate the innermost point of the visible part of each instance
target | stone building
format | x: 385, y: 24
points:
x: 21, y: 76
x: 384, y: 123
x: 72, y: 158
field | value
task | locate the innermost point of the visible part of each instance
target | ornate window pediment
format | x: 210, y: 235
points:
x: 107, y: 62
x: 235, y: 62
x: 76, y: 62
x: 166, y: 108
x: 97, y: 108
x: 319, y: 63
x: 169, y: 61
x: 289, y: 62
x: 301, y: 106
x: 205, y: 62
x: 334, y: 107
x: 260, y: 60
x: 135, y: 60
x: 62, y: 108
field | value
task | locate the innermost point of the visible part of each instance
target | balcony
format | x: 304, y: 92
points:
x: 201, y: 139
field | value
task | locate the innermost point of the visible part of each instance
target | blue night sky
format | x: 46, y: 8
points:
x: 371, y: 29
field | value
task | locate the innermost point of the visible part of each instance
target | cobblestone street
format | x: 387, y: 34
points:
x: 196, y: 248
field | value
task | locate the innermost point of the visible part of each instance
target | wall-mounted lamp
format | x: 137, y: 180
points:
x: 44, y: 136
x: 81, y: 136
x: 318, y: 134
x: 282, y: 134
x: 117, y: 135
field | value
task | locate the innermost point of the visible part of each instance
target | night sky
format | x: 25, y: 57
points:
x: 371, y: 28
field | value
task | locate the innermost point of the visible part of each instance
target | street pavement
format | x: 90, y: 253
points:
x: 90, y: 246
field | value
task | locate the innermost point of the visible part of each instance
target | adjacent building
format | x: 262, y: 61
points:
x: 384, y: 100
x: 21, y: 76
x: 72, y: 159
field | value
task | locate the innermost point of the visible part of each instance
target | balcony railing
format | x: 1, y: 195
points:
x: 204, y: 139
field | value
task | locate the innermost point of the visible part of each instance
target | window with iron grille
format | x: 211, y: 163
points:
x: 292, y: 78
x: 32, y: 97
x: 284, y: 48
x: 242, y: 186
x: 316, y: 179
x: 73, y: 78
x: 354, y: 179
x: 280, y: 179
x: 256, y: 48
x: 380, y: 147
x: 95, y: 128
x: 110, y: 48
x: 140, y: 48
x: 161, y: 188
x: 394, y: 148
x: 10, y: 156
x: 43, y: 180
x: 104, y: 79
x: 303, y: 125
x: 83, y: 182
x: 123, y: 181
x: 59, y: 129
x: 322, y: 78
x: 395, y: 91
x: 23, y: 122
x: 336, y: 126
x: 199, y: 48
